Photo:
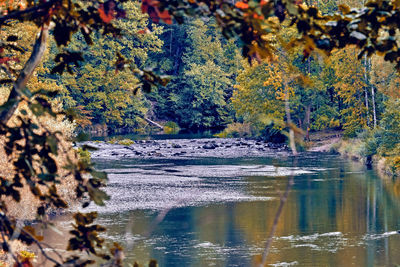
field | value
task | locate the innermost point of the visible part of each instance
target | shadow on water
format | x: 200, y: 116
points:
x: 220, y: 212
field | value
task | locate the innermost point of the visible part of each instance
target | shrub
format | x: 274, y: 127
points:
x: 113, y: 140
x: 371, y: 141
x: 236, y: 130
x: 396, y: 163
x: 272, y: 134
x: 84, y: 155
x: 171, y: 128
x: 390, y: 124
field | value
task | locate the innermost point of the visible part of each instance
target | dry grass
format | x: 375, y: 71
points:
x: 236, y: 129
x: 26, y: 208
x: 352, y: 149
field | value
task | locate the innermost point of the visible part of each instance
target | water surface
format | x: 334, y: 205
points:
x: 218, y: 212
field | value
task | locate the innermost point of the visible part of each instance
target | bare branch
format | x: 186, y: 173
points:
x: 25, y: 74
x: 9, y: 246
x: 39, y: 245
x: 39, y: 10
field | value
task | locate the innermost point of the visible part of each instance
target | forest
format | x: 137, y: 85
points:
x: 278, y: 72
x: 212, y: 88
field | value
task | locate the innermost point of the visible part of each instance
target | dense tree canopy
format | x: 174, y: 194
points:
x: 108, y: 96
x: 202, y: 69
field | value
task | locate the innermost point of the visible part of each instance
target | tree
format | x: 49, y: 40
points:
x: 371, y: 28
x: 113, y: 97
x: 202, y: 66
x: 254, y: 100
x: 349, y: 81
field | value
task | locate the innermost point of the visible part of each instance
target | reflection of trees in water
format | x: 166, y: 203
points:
x: 332, y: 218
x: 354, y: 204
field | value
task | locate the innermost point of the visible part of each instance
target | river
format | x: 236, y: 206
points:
x: 218, y: 212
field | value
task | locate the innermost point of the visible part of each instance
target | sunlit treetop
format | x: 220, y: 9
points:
x: 372, y: 28
x: 64, y: 17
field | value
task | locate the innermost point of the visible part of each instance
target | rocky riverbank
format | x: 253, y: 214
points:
x: 188, y: 148
x: 324, y: 141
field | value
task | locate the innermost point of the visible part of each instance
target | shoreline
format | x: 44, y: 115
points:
x: 320, y: 142
x: 187, y: 148
x: 333, y: 142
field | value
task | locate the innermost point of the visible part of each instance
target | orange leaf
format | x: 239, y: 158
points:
x: 165, y: 16
x: 106, y: 17
x: 256, y: 16
x: 242, y: 5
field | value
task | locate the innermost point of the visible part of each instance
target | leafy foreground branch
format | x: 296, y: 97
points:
x: 42, y: 159
x: 33, y: 150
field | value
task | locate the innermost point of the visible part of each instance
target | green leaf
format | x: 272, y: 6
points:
x: 47, y: 177
x: 53, y: 144
x: 89, y: 147
x: 100, y: 175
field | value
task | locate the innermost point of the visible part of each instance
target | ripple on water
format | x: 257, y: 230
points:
x: 330, y: 241
x: 310, y: 237
x: 170, y: 186
x: 380, y: 236
x: 284, y: 264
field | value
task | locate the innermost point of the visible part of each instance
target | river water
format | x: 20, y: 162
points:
x: 218, y: 212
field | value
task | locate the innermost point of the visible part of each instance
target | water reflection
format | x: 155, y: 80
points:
x: 338, y: 213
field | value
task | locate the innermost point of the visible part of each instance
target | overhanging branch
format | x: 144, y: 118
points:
x: 26, y: 73
x: 39, y: 10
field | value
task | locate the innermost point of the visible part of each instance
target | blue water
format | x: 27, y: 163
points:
x: 218, y: 212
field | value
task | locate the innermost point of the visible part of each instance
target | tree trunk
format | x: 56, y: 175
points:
x: 373, y: 99
x: 366, y: 86
x: 288, y: 118
x: 373, y: 105
x: 26, y: 73
x: 154, y: 123
x: 307, y: 121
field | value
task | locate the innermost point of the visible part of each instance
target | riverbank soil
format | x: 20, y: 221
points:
x: 324, y: 140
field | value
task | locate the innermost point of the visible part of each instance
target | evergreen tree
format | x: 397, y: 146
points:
x: 204, y: 68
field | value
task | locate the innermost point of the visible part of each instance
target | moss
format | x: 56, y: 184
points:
x: 126, y: 142
x: 113, y: 140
